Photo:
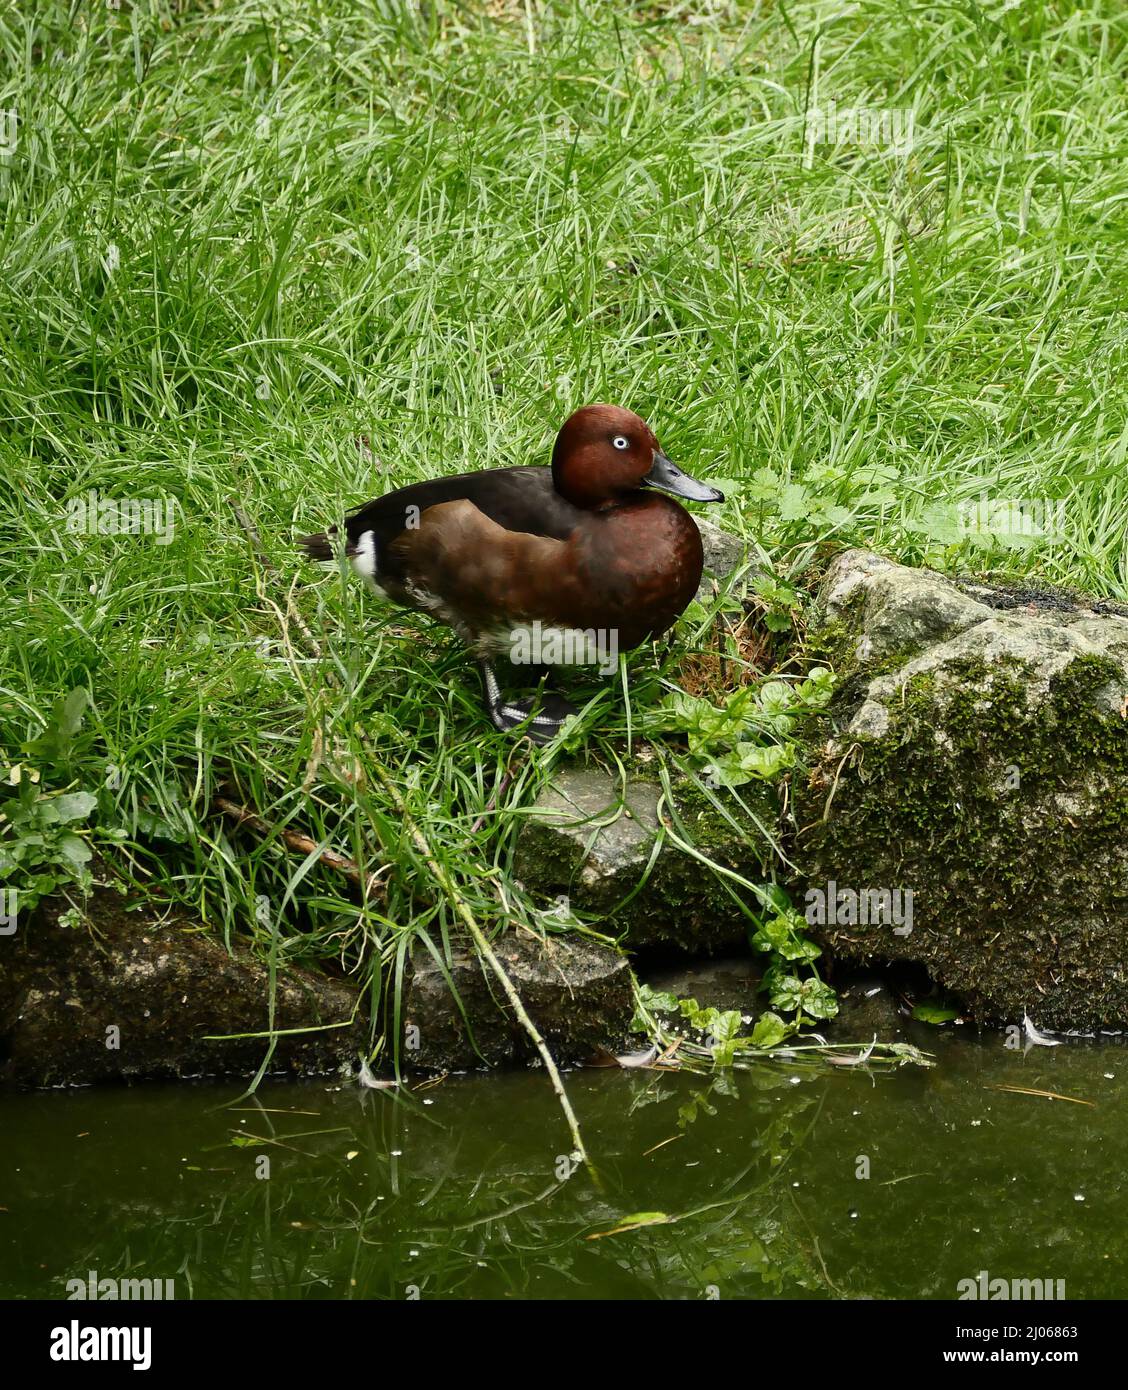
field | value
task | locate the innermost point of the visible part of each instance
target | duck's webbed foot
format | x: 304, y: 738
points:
x: 540, y: 717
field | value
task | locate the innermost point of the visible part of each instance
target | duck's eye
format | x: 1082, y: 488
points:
x: 621, y: 442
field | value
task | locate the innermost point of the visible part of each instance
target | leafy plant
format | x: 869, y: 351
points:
x: 751, y: 734
x: 721, y: 1028
x: 43, y: 846
x: 706, y: 1038
x: 45, y: 832
x: 782, y: 936
x: 797, y: 999
x: 808, y: 999
x: 828, y: 498
x: 61, y: 738
x: 781, y: 602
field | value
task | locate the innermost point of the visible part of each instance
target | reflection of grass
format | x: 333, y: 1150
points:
x: 762, y: 1184
x: 745, y: 1234
x: 450, y: 1210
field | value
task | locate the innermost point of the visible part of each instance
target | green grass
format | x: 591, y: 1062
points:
x: 237, y: 236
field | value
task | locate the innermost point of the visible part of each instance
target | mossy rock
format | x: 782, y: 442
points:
x: 577, y: 992
x: 976, y: 754
x: 617, y: 852
x: 132, y: 992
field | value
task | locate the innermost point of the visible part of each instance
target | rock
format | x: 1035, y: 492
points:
x: 578, y: 994
x: 585, y: 841
x: 724, y: 552
x: 976, y: 756
x: 867, y: 1009
x: 165, y: 987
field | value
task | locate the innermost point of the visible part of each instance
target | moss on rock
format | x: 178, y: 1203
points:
x: 138, y: 994
x: 987, y: 772
x: 616, y: 853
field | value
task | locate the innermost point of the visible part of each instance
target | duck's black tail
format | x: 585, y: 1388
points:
x: 319, y: 546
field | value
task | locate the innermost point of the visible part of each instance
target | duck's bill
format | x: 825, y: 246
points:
x: 668, y: 477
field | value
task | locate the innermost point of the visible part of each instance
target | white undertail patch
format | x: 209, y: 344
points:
x: 363, y: 561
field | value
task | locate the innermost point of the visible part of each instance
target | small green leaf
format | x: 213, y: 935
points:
x: 74, y: 851
x: 71, y: 806
x: 64, y: 722
x: 657, y: 1001
x: 770, y: 1031
x: 934, y: 1013
x: 634, y: 1222
x: 794, y: 502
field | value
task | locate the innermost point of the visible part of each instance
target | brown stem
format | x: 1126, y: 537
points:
x: 300, y: 844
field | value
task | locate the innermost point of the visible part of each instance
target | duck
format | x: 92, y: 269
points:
x: 560, y: 564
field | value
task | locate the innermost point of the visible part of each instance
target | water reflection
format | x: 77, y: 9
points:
x: 750, y: 1186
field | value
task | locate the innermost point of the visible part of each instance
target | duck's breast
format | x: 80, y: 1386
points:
x: 642, y: 564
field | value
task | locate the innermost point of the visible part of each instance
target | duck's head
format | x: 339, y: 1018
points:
x: 603, y: 453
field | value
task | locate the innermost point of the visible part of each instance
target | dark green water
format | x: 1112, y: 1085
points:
x: 452, y: 1191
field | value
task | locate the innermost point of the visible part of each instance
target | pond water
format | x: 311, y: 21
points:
x: 453, y: 1190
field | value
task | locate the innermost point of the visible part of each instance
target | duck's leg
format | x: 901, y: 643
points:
x: 539, y: 717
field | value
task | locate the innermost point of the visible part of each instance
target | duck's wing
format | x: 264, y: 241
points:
x: 517, y: 499
x: 467, y: 569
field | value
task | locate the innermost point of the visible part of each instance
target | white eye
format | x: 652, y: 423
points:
x: 621, y: 442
